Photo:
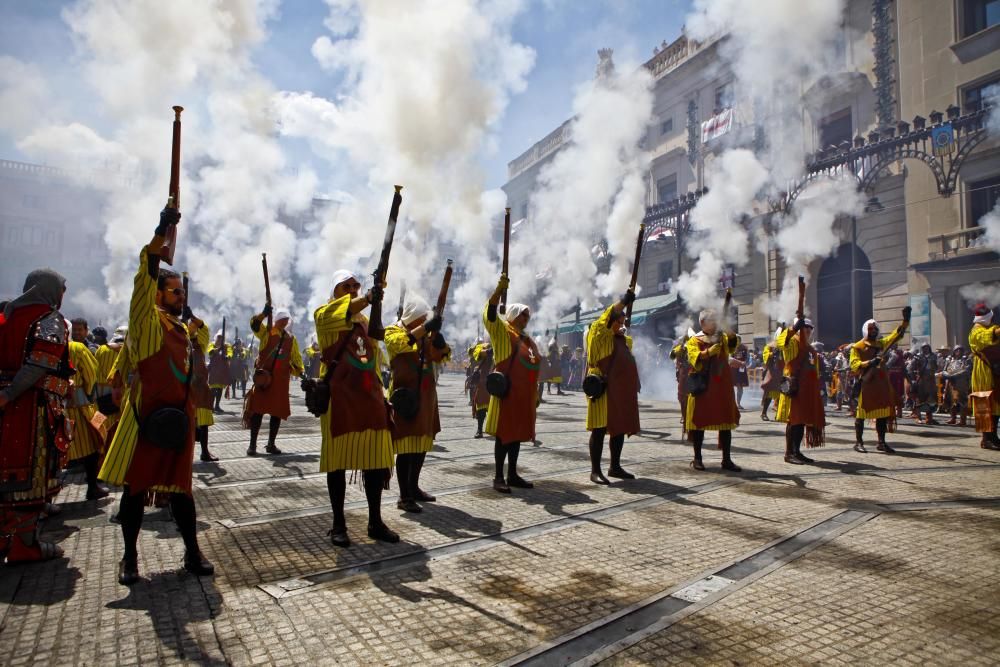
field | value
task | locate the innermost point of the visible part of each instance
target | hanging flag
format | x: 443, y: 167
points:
x: 943, y: 139
x: 716, y: 126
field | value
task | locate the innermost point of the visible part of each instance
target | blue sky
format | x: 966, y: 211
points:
x: 564, y: 33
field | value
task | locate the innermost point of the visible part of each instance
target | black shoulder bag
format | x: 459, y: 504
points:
x: 317, y: 392
x: 595, y: 385
x: 404, y: 400
x: 497, y: 383
x: 168, y: 427
x: 790, y: 383
x: 696, y: 382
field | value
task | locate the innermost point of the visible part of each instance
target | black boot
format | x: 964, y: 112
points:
x: 697, y: 440
x: 798, y: 434
x: 418, y: 493
x: 95, y: 489
x: 480, y: 418
x: 726, y: 442
x: 859, y: 430
x: 202, y: 433
x: 255, y: 421
x: 499, y: 454
x: 596, y: 449
x: 513, y: 479
x: 881, y: 426
x: 272, y: 435
x: 336, y: 486
x: 790, y: 446
x: 377, y: 530
x: 130, y: 518
x: 617, y: 444
x: 182, y: 507
x: 406, y: 502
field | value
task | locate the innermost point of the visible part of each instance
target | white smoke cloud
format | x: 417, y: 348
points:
x: 775, y: 52
x: 593, y: 188
x: 988, y: 293
x: 140, y: 58
x: 719, y: 236
x: 424, y: 83
x: 809, y: 234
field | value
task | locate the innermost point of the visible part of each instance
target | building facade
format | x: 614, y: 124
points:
x: 916, y: 243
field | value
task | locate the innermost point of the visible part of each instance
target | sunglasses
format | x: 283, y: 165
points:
x: 177, y: 291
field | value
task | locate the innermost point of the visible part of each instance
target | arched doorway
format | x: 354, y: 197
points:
x: 833, y: 292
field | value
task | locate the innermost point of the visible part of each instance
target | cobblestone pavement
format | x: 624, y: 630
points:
x: 862, y: 559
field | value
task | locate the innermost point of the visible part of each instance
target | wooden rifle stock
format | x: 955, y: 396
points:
x: 800, y: 310
x: 502, y: 308
x: 443, y: 294
x: 635, y: 272
x: 724, y: 323
x: 376, y: 330
x: 184, y: 279
x: 402, y: 301
x: 174, y: 190
x: 267, y: 290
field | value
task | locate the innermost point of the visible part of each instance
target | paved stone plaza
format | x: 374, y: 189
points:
x: 861, y: 559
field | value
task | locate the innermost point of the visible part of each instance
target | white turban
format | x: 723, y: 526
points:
x: 983, y: 319
x: 807, y: 323
x: 706, y: 315
x: 864, y: 328
x: 218, y: 334
x: 414, y: 308
x: 342, y: 276
x: 120, y: 334
x: 280, y: 314
x: 514, y: 310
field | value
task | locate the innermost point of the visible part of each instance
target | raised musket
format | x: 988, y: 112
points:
x: 376, y: 330
x: 174, y: 189
x: 267, y: 290
x: 502, y: 307
x: 635, y: 272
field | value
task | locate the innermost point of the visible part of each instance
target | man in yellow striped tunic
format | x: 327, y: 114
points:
x: 160, y: 349
x: 205, y: 414
x: 415, y: 345
x: 615, y: 412
x: 984, y: 341
x: 355, y: 426
x: 511, y: 419
x: 87, y: 443
x: 877, y: 399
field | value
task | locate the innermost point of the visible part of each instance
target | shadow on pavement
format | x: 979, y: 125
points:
x: 173, y: 601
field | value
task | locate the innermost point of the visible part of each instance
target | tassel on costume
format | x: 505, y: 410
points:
x: 981, y: 408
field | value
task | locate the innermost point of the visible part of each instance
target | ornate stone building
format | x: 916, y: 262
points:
x: 871, y: 115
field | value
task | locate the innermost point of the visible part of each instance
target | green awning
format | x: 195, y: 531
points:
x: 643, y: 308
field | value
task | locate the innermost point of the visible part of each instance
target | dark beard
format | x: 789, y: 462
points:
x: 176, y: 311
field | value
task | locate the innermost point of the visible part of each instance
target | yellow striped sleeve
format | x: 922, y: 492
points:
x: 789, y: 345
x: 105, y: 363
x: 892, y: 338
x: 331, y: 319
x: 499, y: 335
x: 201, y: 338
x: 694, y: 353
x: 295, y: 362
x: 600, y: 339
x: 145, y: 335
x: 85, y: 363
x: 397, y: 341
